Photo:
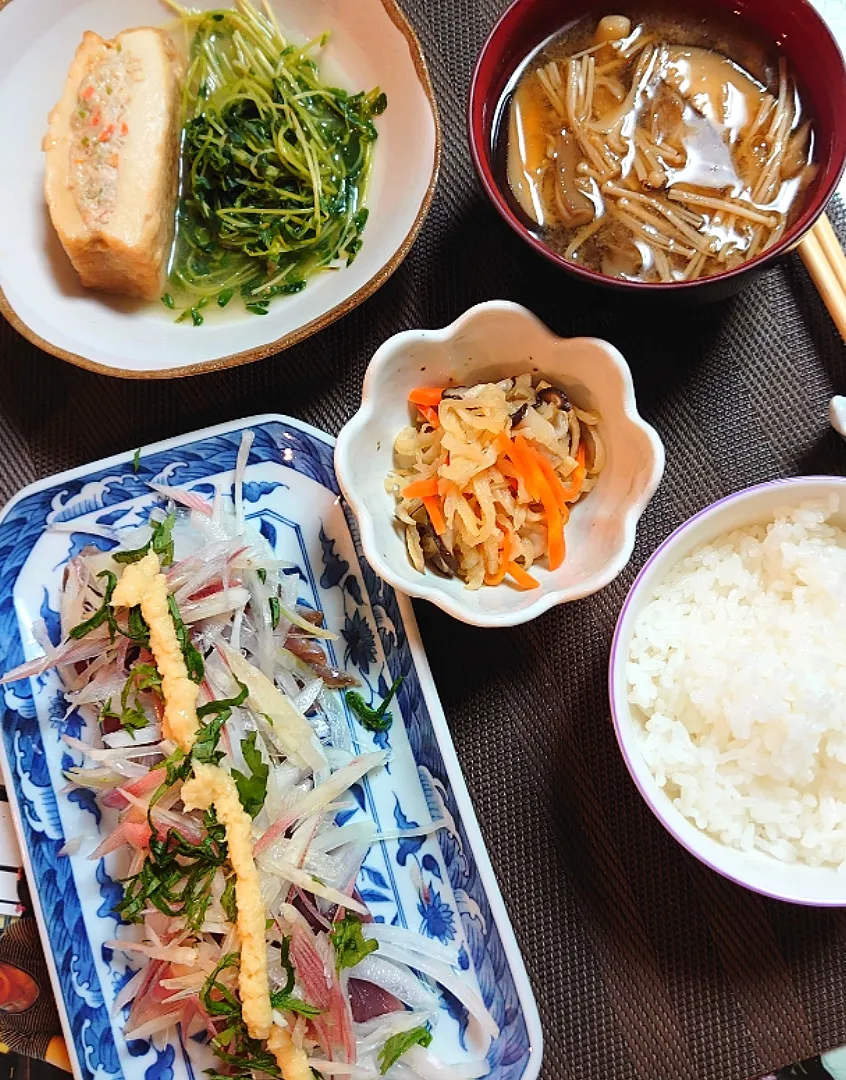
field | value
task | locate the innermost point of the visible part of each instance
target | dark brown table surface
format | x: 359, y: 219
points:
x: 644, y: 963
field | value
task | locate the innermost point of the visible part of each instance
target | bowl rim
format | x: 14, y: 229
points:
x: 293, y: 337
x: 548, y: 597
x: 481, y: 161
x: 647, y: 789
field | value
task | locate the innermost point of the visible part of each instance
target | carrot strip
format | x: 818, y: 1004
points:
x: 531, y: 468
x: 554, y: 535
x: 508, y: 449
x: 431, y: 415
x: 554, y: 528
x: 426, y: 395
x: 433, y: 509
x: 522, y: 577
x: 421, y: 489
x: 552, y: 478
x: 577, y: 477
x: 504, y: 559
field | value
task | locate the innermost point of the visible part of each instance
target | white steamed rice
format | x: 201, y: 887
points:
x: 737, y: 672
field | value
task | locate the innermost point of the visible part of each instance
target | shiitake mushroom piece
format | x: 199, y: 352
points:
x: 435, y: 552
x: 552, y: 395
x: 518, y: 414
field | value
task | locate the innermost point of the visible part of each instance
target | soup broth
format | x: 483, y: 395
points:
x: 653, y: 148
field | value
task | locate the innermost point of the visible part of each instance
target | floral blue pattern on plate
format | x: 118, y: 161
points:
x: 441, y: 885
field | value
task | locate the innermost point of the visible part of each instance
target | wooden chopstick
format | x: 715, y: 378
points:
x: 826, y: 263
x: 824, y: 232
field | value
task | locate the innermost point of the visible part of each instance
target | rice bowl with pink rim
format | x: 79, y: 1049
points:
x: 727, y: 685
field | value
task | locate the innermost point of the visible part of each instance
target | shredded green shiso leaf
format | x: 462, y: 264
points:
x: 274, y: 164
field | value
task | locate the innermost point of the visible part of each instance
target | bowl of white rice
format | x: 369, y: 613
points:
x: 728, y: 687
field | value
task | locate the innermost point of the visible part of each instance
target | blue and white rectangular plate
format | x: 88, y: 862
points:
x: 442, y: 885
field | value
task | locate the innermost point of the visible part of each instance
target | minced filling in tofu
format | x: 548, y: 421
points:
x: 98, y: 132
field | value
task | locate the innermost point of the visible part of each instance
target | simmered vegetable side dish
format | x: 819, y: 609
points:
x: 213, y: 736
x: 486, y: 476
x: 644, y: 152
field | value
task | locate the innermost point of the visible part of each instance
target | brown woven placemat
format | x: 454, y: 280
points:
x: 644, y: 964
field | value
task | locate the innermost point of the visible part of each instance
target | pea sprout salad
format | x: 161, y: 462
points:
x: 275, y: 163
x: 215, y: 736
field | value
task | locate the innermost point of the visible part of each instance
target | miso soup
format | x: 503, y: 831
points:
x: 657, y: 148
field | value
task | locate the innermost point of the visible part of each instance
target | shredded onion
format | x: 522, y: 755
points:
x: 443, y: 974
x: 240, y: 468
x: 407, y: 939
x: 425, y: 1064
x: 174, y: 954
x: 397, y: 979
x: 185, y: 498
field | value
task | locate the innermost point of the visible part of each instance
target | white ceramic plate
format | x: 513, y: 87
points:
x: 442, y: 886
x: 493, y: 341
x: 371, y: 45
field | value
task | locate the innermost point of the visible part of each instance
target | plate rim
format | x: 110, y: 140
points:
x: 440, y: 726
x: 260, y: 352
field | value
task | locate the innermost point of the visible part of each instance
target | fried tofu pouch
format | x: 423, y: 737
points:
x: 112, y: 160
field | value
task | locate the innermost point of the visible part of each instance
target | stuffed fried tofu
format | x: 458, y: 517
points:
x: 112, y: 152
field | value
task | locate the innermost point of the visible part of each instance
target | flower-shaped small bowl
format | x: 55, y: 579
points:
x: 493, y: 341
